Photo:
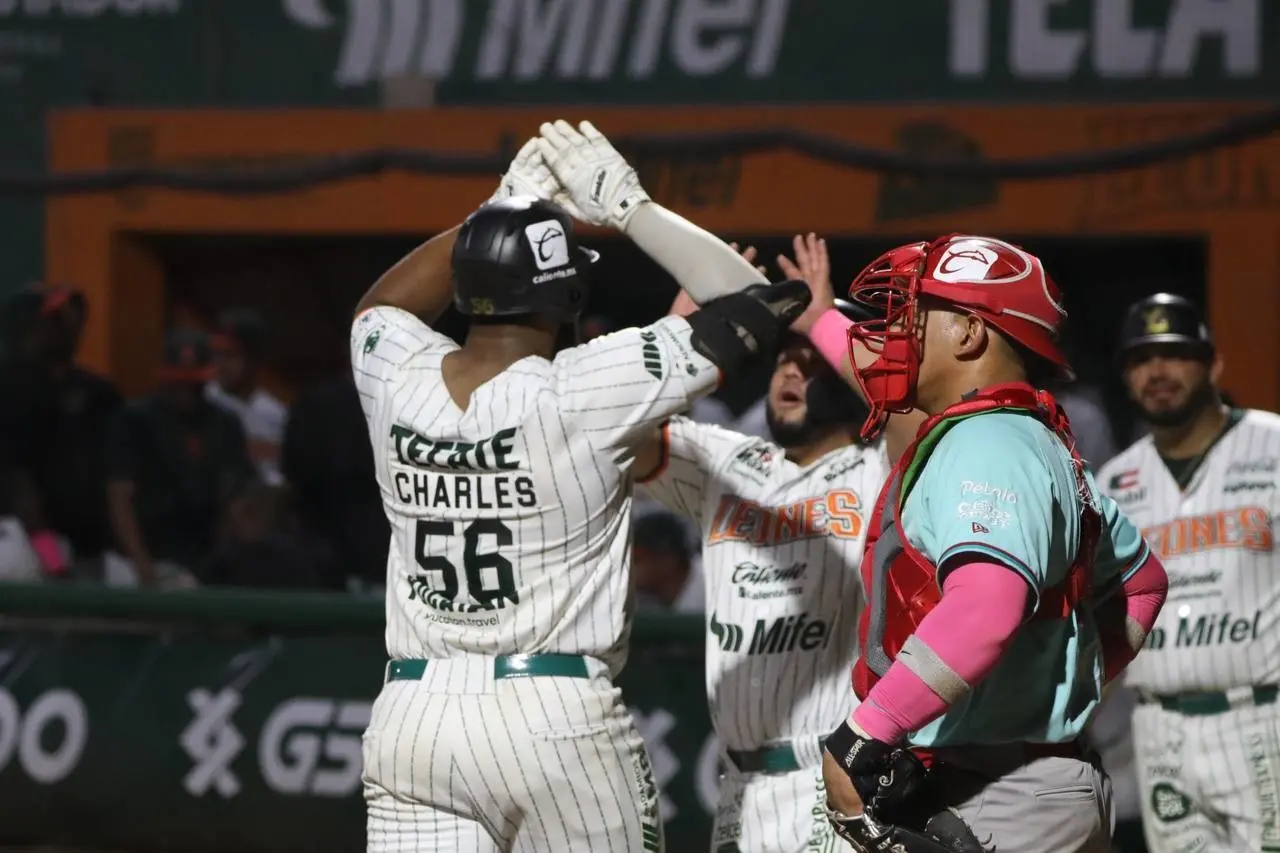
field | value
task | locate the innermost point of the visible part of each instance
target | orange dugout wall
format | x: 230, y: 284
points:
x: 1226, y: 197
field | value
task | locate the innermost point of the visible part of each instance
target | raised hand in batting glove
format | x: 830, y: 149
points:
x: 528, y: 175
x: 602, y: 184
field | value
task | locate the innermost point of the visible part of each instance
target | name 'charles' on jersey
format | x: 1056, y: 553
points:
x: 511, y: 519
x: 781, y: 550
x: 1217, y: 540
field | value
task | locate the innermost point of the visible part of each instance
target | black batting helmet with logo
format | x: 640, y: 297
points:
x: 1164, y: 318
x: 520, y: 256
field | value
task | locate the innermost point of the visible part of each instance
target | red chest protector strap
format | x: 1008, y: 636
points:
x: 901, y: 583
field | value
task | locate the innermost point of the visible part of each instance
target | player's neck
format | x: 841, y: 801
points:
x: 1188, y: 440
x: 505, y: 345
x: 975, y: 378
x: 807, y: 454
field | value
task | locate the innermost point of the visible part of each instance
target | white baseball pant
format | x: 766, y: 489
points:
x: 773, y: 813
x: 1210, y: 780
x: 462, y: 761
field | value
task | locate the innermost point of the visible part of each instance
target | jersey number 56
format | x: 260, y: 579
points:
x: 489, y: 577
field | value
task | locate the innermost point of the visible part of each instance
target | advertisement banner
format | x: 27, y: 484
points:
x: 195, y: 742
x: 424, y: 53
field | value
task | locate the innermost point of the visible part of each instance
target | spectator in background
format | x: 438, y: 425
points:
x: 53, y: 424
x: 663, y: 567
x: 173, y: 461
x: 24, y: 557
x: 327, y: 458
x: 238, y: 350
x: 262, y: 544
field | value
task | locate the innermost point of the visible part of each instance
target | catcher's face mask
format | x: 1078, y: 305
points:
x: 997, y: 281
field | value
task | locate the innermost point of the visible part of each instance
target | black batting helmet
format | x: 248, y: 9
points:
x: 520, y: 256
x: 1164, y: 318
x: 829, y: 400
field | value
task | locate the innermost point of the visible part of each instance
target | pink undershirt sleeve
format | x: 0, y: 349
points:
x: 830, y: 336
x: 1144, y: 594
x: 982, y: 605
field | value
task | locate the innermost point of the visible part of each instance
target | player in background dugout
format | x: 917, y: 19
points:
x: 1202, y: 486
x: 1004, y: 590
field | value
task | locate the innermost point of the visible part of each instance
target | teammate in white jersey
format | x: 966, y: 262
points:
x: 782, y: 524
x: 505, y: 471
x: 1203, y: 489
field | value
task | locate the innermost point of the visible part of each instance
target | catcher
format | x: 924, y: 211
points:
x: 1004, y: 591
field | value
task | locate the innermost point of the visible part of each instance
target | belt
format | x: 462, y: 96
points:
x: 775, y: 758
x: 1206, y: 702
x: 505, y: 666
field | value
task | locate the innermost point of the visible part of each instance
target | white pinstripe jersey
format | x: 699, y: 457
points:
x: 510, y: 521
x: 1217, y: 540
x: 781, y: 551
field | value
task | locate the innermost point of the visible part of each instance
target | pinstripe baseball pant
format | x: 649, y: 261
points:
x: 1209, y: 782
x: 461, y: 761
x: 773, y: 813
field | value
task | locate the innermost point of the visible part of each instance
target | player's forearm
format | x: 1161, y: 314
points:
x: 701, y: 263
x: 420, y: 283
x: 954, y: 649
x: 1144, y: 595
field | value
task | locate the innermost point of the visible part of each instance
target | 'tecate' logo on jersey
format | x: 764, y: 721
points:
x: 1247, y: 527
x: 777, y: 636
x: 838, y: 513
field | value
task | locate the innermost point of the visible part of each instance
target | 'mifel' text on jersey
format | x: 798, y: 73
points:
x: 781, y: 546
x: 460, y: 475
x: 1218, y: 628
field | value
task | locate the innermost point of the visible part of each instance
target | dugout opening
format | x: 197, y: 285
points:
x: 306, y: 288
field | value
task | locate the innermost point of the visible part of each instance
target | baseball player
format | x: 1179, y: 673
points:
x: 1004, y: 590
x: 1202, y: 487
x: 505, y: 471
x: 782, y: 525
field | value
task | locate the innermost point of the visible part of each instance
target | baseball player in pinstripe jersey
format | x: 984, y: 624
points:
x: 505, y: 471
x: 782, y: 525
x: 1203, y: 488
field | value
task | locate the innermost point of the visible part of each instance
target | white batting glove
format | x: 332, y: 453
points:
x: 603, y: 185
x: 528, y: 175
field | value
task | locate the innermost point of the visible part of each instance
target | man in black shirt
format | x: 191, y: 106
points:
x: 173, y: 460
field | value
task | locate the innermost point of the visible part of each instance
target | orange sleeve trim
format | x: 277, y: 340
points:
x: 664, y: 458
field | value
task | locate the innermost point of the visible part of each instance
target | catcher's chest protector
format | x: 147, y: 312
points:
x: 902, y: 584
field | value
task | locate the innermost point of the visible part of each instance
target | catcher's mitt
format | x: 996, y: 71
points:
x: 945, y: 832
x: 901, y: 810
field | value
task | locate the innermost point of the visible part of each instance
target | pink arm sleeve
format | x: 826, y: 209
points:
x: 830, y: 336
x: 981, y: 607
x: 1144, y: 593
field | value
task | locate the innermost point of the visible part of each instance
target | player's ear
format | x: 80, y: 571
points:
x: 1215, y: 367
x: 969, y: 335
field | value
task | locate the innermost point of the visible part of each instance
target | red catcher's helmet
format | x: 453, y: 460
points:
x: 997, y: 281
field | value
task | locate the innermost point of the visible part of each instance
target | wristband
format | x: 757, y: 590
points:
x: 830, y: 335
